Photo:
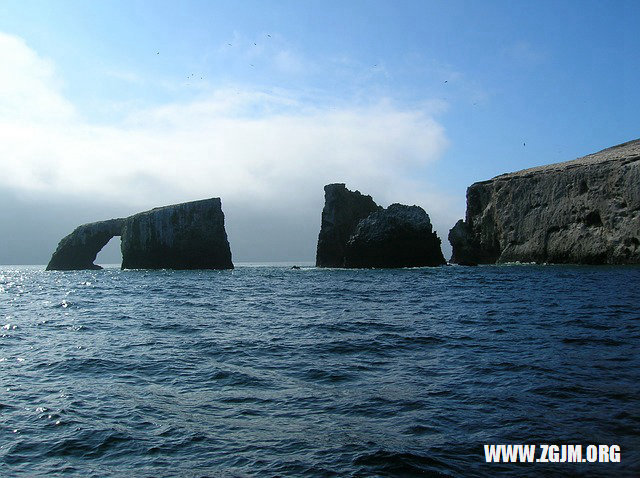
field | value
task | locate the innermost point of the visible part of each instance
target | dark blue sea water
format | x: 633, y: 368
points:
x: 269, y: 371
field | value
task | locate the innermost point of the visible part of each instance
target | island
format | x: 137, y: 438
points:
x: 585, y: 211
x: 190, y: 235
x: 357, y: 233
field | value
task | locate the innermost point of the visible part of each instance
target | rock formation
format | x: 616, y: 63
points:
x: 79, y: 249
x: 182, y: 236
x: 399, y: 236
x: 343, y: 210
x: 355, y: 232
x: 585, y: 211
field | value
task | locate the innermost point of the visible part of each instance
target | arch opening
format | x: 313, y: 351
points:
x: 110, y: 256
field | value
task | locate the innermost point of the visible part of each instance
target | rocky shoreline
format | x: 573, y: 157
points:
x: 585, y: 211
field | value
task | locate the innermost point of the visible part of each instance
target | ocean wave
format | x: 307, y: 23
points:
x: 271, y: 372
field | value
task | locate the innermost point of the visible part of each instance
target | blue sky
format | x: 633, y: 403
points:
x: 117, y: 106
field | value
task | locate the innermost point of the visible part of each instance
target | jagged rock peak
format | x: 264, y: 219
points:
x: 392, y: 219
x: 343, y: 210
x: 356, y: 232
x: 398, y: 236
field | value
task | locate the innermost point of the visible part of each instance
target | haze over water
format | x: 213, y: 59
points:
x: 265, y: 370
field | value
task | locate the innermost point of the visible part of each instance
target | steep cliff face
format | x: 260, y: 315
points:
x: 183, y: 236
x: 79, y: 249
x: 585, y: 211
x: 343, y: 210
x: 399, y: 236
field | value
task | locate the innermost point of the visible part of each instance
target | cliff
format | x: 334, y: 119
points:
x: 343, y: 210
x: 182, y: 236
x: 585, y: 211
x: 399, y: 236
x: 356, y: 232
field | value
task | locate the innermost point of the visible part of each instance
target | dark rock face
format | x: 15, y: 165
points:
x: 343, y: 210
x: 79, y: 249
x: 399, y: 236
x: 585, y: 211
x: 467, y: 249
x: 183, y: 236
x: 356, y: 232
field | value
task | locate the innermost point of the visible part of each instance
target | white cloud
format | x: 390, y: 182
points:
x: 266, y: 151
x: 29, y: 86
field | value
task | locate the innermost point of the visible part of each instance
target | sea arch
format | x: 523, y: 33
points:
x: 180, y: 236
x: 79, y: 249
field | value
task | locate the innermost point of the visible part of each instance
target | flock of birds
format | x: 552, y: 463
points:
x: 192, y: 76
x: 252, y: 66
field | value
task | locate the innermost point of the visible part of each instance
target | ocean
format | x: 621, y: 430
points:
x: 272, y: 371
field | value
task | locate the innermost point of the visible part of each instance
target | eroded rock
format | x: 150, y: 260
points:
x: 585, y: 211
x: 356, y: 232
x: 398, y: 236
x: 79, y: 249
x: 182, y: 236
x: 343, y: 210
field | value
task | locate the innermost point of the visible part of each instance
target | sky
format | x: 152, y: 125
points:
x: 114, y: 107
